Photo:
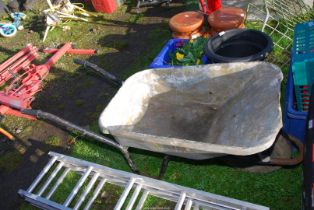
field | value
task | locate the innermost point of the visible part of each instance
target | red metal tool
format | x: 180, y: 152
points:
x: 72, y: 51
x: 24, y: 78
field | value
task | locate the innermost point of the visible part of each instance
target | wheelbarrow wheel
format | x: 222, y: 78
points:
x: 280, y: 150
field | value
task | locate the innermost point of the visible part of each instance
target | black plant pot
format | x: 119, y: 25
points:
x: 238, y: 45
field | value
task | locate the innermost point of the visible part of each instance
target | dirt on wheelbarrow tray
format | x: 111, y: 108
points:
x: 126, y: 41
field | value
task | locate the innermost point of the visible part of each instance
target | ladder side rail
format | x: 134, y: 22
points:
x: 206, y: 202
x: 41, y: 202
x: 115, y: 180
x: 217, y: 206
x: 210, y: 203
x: 106, y: 171
x: 158, y: 188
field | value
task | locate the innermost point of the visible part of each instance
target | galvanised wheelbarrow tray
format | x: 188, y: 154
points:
x: 195, y: 112
x: 198, y: 112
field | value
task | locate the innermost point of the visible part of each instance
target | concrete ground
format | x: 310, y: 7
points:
x: 244, y: 3
x: 241, y: 3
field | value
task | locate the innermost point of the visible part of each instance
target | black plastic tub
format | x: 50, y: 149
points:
x: 238, y: 45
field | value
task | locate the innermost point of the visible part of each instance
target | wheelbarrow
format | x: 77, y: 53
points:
x: 196, y: 112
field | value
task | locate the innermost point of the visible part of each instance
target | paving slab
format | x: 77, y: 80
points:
x: 241, y: 3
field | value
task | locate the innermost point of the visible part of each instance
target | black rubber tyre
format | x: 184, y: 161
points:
x: 280, y: 149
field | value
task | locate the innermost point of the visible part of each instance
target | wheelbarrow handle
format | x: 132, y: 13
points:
x: 108, y: 76
x: 71, y: 127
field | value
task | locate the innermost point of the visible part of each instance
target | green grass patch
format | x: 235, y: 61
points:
x: 10, y: 160
x: 135, y: 18
x: 79, y: 102
x: 27, y: 206
x: 191, y: 5
x: 54, y: 141
x: 278, y: 190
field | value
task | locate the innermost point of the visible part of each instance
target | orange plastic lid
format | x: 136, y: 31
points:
x: 186, y: 21
x: 227, y: 18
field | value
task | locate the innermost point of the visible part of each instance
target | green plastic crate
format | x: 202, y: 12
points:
x: 303, y: 63
x: 303, y: 43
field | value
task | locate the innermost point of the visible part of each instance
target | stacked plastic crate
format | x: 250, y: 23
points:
x: 300, y: 80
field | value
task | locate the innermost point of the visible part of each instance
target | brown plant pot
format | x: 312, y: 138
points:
x: 187, y: 25
x: 226, y: 18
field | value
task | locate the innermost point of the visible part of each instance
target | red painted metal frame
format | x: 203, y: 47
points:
x: 72, y: 51
x: 22, y: 79
x: 210, y: 6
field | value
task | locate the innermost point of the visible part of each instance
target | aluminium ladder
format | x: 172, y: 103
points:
x: 54, y: 173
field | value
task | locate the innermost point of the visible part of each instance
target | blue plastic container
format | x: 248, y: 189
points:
x: 294, y: 121
x: 163, y: 58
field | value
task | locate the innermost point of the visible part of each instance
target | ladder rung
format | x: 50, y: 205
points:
x: 180, y: 201
x: 188, y: 204
x: 124, y: 194
x: 142, y: 200
x: 77, y: 187
x: 134, y: 197
x: 42, y: 174
x: 196, y: 207
x: 59, y: 181
x: 51, y: 177
x: 88, y: 188
x: 96, y: 192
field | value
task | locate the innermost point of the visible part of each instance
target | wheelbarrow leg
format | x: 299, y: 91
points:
x: 132, y: 165
x: 164, y: 166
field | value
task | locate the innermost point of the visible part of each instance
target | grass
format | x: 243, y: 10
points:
x: 54, y: 141
x: 278, y: 190
x: 10, y: 161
